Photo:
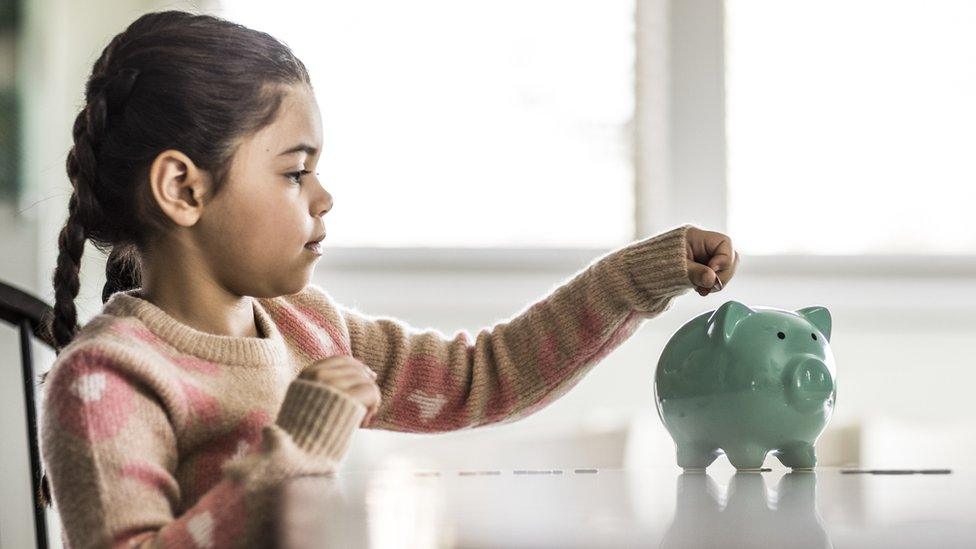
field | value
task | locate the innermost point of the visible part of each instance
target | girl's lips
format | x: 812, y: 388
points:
x: 314, y: 247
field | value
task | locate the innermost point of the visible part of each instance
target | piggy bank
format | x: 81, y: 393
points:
x: 745, y: 381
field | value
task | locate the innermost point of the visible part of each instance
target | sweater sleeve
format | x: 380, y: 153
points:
x: 432, y: 383
x: 110, y: 453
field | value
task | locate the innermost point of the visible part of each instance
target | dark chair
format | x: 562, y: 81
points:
x: 29, y: 314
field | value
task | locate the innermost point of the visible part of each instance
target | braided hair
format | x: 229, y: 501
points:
x: 196, y: 83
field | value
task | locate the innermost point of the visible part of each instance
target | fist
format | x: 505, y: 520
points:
x: 350, y: 377
x: 711, y: 260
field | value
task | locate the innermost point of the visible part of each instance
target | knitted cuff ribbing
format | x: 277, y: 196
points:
x: 642, y: 274
x: 319, y: 419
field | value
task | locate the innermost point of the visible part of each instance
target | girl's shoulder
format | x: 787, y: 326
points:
x: 310, y: 319
x: 110, y: 331
x: 107, y: 343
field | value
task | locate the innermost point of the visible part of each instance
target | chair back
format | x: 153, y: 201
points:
x: 29, y: 314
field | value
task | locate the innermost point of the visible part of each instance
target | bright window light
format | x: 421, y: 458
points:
x: 472, y: 124
x: 852, y: 126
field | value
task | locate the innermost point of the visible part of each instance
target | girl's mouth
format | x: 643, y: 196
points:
x: 314, y: 247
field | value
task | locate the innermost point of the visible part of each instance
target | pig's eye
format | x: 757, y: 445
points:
x: 814, y: 336
x: 781, y: 335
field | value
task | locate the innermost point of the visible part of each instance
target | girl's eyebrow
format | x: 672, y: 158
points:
x: 301, y: 147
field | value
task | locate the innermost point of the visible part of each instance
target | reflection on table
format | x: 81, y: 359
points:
x: 746, y: 514
x: 655, y: 507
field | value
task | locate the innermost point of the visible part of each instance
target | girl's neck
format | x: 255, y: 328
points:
x: 198, y: 301
x: 206, y: 314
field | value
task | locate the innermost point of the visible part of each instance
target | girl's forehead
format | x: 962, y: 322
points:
x: 299, y: 110
x: 298, y: 121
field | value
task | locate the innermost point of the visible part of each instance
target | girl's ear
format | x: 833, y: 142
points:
x: 179, y: 187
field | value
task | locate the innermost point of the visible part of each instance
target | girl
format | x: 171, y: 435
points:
x: 215, y: 370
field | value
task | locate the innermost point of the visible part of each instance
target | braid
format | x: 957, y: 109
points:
x: 71, y: 244
x: 84, y: 211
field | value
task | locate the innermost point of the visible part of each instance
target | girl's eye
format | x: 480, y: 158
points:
x: 297, y: 176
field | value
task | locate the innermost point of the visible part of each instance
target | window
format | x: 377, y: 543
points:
x: 851, y: 126
x: 468, y: 124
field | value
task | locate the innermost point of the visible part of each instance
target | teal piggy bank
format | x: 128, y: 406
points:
x: 745, y: 381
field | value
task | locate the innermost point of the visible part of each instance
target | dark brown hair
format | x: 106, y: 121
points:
x: 171, y: 80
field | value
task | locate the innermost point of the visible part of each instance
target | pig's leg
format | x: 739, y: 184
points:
x: 746, y: 456
x: 799, y: 455
x: 696, y: 455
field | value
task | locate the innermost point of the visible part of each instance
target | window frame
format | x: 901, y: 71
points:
x: 680, y: 156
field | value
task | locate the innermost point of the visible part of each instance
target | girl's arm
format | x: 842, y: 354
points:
x: 110, y: 452
x: 433, y: 383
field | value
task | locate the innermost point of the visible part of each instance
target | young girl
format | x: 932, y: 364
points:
x: 215, y: 370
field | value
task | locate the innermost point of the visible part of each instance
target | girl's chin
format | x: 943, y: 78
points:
x: 297, y: 284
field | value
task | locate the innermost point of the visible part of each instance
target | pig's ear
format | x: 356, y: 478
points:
x: 725, y: 318
x: 819, y: 317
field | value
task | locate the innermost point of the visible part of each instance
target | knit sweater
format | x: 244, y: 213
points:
x: 156, y: 434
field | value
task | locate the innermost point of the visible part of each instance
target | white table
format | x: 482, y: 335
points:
x: 653, y: 507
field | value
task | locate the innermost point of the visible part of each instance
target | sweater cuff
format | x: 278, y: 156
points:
x: 319, y: 419
x: 643, y: 274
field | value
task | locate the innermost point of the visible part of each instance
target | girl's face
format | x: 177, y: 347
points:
x: 255, y: 230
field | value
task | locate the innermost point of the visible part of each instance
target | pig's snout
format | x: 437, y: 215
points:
x: 808, y: 383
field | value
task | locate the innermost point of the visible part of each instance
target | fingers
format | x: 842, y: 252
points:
x: 369, y: 395
x: 340, y: 377
x: 351, y: 377
x: 338, y: 366
x: 712, y: 260
x: 725, y: 274
x: 721, y: 254
x: 701, y: 275
x: 366, y: 393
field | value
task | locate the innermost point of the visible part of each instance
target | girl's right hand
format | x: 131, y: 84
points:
x: 349, y: 376
x: 712, y: 260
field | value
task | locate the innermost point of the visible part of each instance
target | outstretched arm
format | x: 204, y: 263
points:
x: 433, y: 383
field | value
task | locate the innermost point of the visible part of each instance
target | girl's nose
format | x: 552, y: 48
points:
x: 323, y: 205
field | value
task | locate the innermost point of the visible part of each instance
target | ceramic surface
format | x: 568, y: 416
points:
x: 746, y: 381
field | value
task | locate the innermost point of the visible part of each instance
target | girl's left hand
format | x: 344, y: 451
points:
x: 711, y: 260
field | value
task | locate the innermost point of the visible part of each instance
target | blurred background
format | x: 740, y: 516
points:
x: 480, y: 153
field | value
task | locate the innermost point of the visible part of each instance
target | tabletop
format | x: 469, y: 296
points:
x: 652, y: 507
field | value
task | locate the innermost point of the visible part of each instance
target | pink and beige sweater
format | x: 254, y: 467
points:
x: 156, y: 434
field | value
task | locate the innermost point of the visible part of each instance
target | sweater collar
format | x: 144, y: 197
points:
x: 245, y: 351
